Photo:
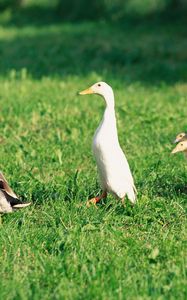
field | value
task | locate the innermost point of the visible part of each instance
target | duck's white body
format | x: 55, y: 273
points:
x: 113, y: 168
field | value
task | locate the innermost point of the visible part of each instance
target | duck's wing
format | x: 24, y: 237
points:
x: 4, y: 186
x: 128, y: 173
x: 5, y: 206
x: 9, y: 194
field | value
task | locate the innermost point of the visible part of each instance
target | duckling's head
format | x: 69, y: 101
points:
x: 180, y: 137
x: 101, y: 88
x: 181, y: 147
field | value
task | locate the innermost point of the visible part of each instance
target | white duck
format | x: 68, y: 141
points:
x: 8, y: 199
x: 113, y: 168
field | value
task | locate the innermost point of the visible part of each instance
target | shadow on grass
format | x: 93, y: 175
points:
x: 180, y: 189
x: 147, y: 49
x: 177, y: 189
x: 41, y: 14
x: 34, y: 15
x: 169, y: 187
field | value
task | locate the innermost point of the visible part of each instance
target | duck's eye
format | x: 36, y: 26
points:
x: 180, y: 135
x: 181, y: 144
x: 99, y: 84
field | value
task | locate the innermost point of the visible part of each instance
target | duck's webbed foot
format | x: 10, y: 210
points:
x: 95, y: 200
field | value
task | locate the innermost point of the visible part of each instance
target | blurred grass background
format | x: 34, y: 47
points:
x: 99, y: 9
x: 135, y: 40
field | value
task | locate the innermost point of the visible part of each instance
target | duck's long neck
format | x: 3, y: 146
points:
x: 109, y: 118
x: 109, y: 114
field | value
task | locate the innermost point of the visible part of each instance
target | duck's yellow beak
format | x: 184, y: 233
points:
x: 87, y: 91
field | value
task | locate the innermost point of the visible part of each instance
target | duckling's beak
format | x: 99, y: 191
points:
x: 87, y: 91
x: 175, y: 150
x: 176, y: 141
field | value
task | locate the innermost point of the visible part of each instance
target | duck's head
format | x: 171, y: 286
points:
x: 181, y: 147
x: 180, y: 137
x: 101, y: 88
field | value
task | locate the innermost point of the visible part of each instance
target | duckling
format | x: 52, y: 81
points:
x: 180, y: 137
x: 113, y: 168
x: 8, y: 199
x: 181, y: 147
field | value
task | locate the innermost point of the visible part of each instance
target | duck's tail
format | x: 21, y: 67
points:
x: 132, y: 195
x: 21, y: 205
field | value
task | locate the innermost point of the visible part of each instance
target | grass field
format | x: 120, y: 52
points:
x: 59, y: 249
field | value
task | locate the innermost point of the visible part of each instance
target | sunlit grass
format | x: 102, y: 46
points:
x: 57, y: 248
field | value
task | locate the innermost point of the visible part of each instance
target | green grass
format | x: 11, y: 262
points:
x: 59, y: 249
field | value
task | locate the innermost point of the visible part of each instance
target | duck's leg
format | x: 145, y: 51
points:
x: 123, y: 201
x: 96, y: 199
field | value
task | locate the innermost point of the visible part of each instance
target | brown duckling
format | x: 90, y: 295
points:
x: 180, y: 137
x: 181, y: 147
